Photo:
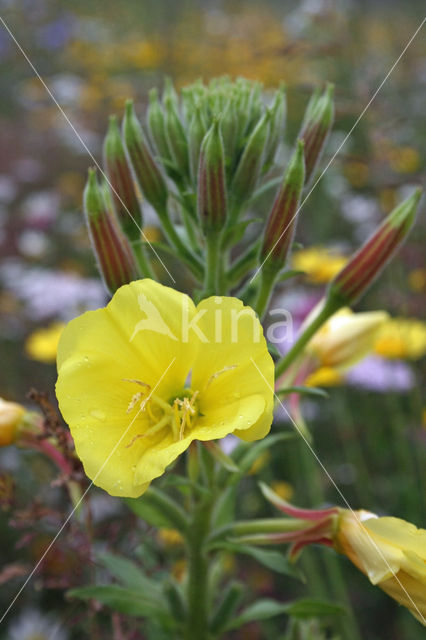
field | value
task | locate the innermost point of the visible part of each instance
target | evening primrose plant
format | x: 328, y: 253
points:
x: 153, y: 385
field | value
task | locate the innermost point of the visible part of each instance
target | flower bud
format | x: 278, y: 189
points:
x: 346, y: 338
x: 157, y: 127
x: 11, y: 415
x: 124, y: 198
x: 112, y: 250
x: 315, y: 128
x: 390, y: 552
x: 212, y: 197
x: 249, y: 167
x: 276, y: 131
x: 146, y: 170
x: 196, y: 133
x: 176, y: 138
x: 229, y: 129
x: 365, y: 265
x: 282, y: 219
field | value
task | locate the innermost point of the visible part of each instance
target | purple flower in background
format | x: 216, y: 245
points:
x: 378, y: 374
x: 56, y: 34
x: 48, y: 293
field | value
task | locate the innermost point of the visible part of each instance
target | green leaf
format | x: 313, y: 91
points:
x: 127, y: 601
x: 236, y: 232
x: 306, y: 391
x: 274, y: 351
x: 255, y: 450
x: 128, y: 573
x: 156, y: 508
x: 260, y: 610
x: 274, y: 560
x: 312, y: 608
x: 224, y: 508
x: 291, y: 273
x: 268, y: 608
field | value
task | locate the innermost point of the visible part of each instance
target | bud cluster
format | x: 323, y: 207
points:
x: 206, y: 159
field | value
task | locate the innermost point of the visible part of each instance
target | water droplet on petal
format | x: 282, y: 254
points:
x: 99, y: 415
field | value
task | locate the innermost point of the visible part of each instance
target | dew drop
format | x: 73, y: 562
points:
x: 99, y: 415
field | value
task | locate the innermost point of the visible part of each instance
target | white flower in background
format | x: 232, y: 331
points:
x: 48, y: 293
x: 33, y: 625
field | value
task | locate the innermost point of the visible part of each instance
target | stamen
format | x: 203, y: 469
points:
x: 218, y: 373
x: 135, y: 399
x: 142, y: 384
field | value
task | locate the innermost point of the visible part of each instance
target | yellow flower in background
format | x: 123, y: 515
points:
x: 404, y: 159
x: 319, y: 264
x: 11, y: 415
x: 141, y: 379
x: 402, y: 338
x: 391, y: 552
x: 42, y: 344
x: 417, y: 280
x: 170, y: 537
x: 324, y: 377
x: 346, y: 338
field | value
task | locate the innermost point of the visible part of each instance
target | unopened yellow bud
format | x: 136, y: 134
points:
x: 346, y: 338
x: 10, y: 416
x: 391, y: 552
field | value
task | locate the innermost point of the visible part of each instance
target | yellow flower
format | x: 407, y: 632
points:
x: 417, y: 280
x: 324, y: 377
x: 42, y: 344
x: 169, y: 537
x: 141, y: 379
x: 402, y: 338
x: 346, y: 338
x: 283, y: 489
x: 391, y: 552
x: 319, y: 264
x: 11, y: 415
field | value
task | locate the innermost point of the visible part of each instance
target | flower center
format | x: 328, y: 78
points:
x: 177, y: 414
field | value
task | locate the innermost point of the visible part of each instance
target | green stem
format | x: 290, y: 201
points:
x: 243, y: 264
x: 143, y: 262
x: 267, y: 281
x: 192, y: 261
x: 198, y: 563
x: 254, y: 527
x: 213, y: 255
x: 330, y: 307
x: 313, y: 487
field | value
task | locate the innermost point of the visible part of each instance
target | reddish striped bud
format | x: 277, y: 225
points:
x: 282, y: 219
x: 212, y: 197
x: 366, y: 264
x: 316, y: 127
x: 250, y: 165
x: 124, y: 198
x: 146, y: 170
x: 157, y: 127
x: 112, y: 250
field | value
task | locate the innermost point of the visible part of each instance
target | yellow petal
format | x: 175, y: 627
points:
x: 399, y: 533
x: 233, y: 362
x: 97, y: 353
